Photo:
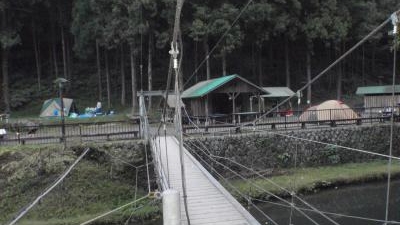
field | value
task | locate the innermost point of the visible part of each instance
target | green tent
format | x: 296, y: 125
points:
x: 52, y: 107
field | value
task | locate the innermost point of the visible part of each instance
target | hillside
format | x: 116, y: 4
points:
x: 99, y: 183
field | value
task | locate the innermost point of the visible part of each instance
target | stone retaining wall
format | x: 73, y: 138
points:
x: 268, y: 150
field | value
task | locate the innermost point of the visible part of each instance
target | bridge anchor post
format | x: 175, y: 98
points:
x: 171, y: 207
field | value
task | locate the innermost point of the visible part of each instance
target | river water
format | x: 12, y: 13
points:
x: 364, y: 200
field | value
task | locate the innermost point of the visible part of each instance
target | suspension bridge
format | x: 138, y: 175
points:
x: 208, y: 201
x: 200, y: 198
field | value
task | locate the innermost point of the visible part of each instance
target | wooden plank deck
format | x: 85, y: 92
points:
x: 208, y: 201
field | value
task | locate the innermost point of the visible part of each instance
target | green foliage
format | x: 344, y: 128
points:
x: 96, y: 185
x: 306, y: 180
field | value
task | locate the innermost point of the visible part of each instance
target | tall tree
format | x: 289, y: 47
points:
x: 9, y: 37
x: 223, y: 18
x: 321, y: 20
x: 200, y: 31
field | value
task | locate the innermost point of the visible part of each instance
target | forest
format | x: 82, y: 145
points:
x: 110, y: 49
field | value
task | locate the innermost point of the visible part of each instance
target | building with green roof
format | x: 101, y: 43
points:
x: 379, y: 96
x: 225, y: 95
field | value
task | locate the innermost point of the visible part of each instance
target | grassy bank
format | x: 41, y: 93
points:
x: 309, y: 180
x: 96, y: 185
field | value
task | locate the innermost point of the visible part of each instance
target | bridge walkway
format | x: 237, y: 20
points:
x: 208, y: 201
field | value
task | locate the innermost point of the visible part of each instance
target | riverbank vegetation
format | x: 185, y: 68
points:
x: 310, y: 180
x: 99, y: 183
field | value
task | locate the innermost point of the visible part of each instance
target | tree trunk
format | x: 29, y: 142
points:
x: 339, y: 76
x: 98, y: 70
x: 363, y: 65
x: 4, y: 66
x: 373, y: 60
x: 36, y: 48
x: 107, y: 78
x: 207, y: 52
x: 133, y: 80
x: 64, y: 54
x: 69, y: 58
x: 308, y: 64
x: 51, y: 65
x: 53, y: 43
x: 4, y: 70
x: 223, y: 55
x: 123, y: 92
x: 196, y: 78
x: 287, y: 62
x: 150, y: 67
x: 260, y: 67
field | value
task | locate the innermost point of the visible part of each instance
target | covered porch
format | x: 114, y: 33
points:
x: 228, y: 99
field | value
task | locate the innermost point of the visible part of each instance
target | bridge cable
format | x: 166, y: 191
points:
x: 260, y: 188
x: 330, y: 144
x: 243, y: 195
x: 58, y: 181
x: 313, y: 141
x: 114, y: 210
x: 218, y: 42
x: 257, y: 173
x: 235, y: 188
x: 294, y: 187
x: 348, y: 52
x: 389, y: 167
x: 330, y: 213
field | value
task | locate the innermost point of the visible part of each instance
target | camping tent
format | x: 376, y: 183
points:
x: 52, y: 107
x: 329, y: 110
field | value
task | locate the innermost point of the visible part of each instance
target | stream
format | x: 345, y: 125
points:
x: 362, y: 200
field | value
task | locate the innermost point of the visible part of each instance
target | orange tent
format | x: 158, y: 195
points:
x: 328, y: 110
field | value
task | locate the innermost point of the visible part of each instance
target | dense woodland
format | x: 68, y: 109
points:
x: 109, y: 49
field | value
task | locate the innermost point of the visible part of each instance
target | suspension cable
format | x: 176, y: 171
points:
x: 58, y: 181
x: 330, y: 213
x: 389, y: 167
x: 114, y: 210
x: 236, y: 189
x: 269, y: 192
x: 219, y: 41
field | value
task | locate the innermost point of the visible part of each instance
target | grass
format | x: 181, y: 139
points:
x: 306, y: 180
x: 96, y: 185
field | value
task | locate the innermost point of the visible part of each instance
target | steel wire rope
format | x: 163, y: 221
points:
x: 114, y: 210
x: 325, y: 143
x: 269, y: 180
x: 257, y: 186
x: 389, y: 166
x: 330, y: 144
x: 137, y: 208
x: 330, y: 213
x: 294, y: 187
x: 174, y: 51
x: 219, y: 41
x: 237, y: 190
x: 373, y: 32
x: 47, y: 190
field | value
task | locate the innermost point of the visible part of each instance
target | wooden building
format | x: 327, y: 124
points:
x: 275, y: 96
x: 227, y: 95
x: 379, y: 96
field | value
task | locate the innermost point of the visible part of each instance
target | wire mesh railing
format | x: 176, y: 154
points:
x: 76, y: 132
x: 233, y: 123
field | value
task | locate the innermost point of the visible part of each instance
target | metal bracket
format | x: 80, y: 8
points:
x: 395, y: 17
x: 174, y: 52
